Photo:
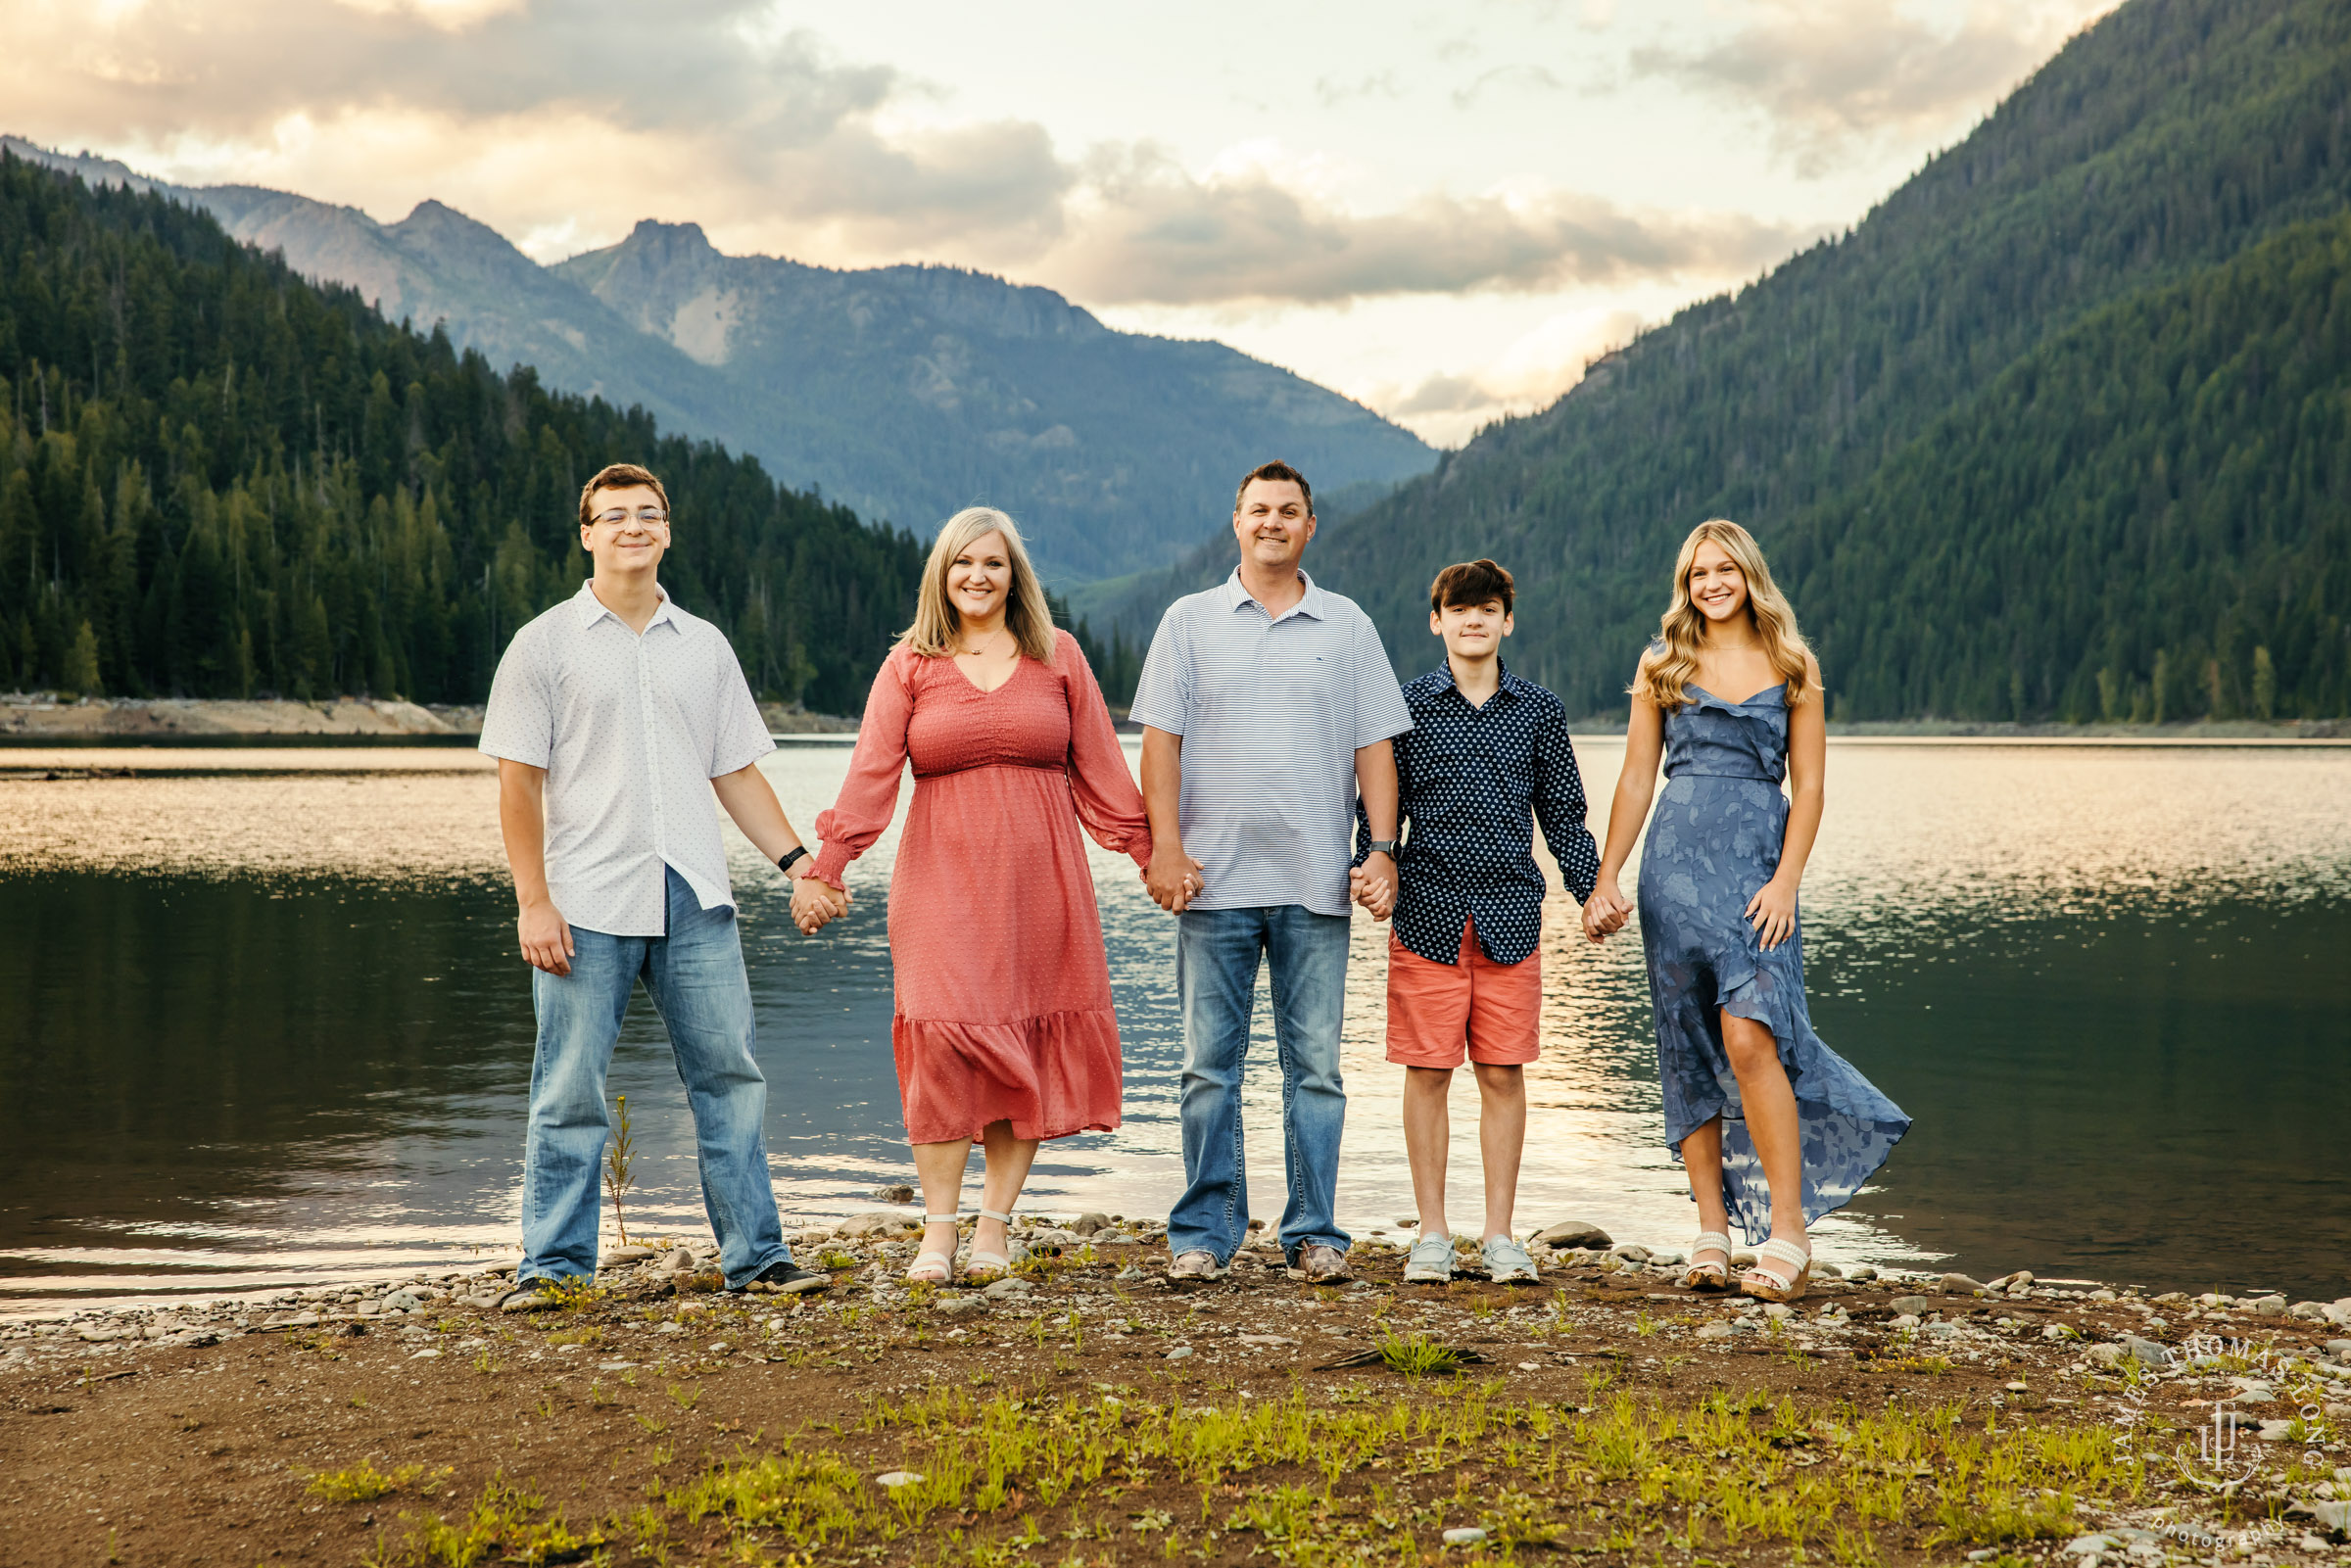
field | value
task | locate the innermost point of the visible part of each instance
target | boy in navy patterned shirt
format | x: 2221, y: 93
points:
x: 1487, y: 756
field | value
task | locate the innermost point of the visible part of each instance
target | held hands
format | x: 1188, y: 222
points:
x: 1373, y: 885
x: 1606, y: 911
x: 1173, y: 877
x: 815, y: 902
x: 545, y: 938
x: 1772, y: 912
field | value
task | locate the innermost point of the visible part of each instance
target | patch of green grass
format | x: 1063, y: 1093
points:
x: 502, y: 1525
x: 1418, y: 1355
x: 1314, y: 1481
x: 1046, y: 1266
x: 362, y: 1482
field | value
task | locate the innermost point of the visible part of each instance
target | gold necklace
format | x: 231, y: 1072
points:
x: 970, y: 651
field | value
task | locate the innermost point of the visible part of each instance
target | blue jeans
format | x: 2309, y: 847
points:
x: 694, y: 977
x: 1217, y: 953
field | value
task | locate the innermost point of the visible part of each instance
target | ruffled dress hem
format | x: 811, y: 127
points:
x: 1050, y: 1076
x: 1855, y: 1128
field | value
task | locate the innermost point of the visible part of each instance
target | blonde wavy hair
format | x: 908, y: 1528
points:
x: 1667, y: 671
x: 938, y: 630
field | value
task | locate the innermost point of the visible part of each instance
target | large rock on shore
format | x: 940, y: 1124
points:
x: 1573, y: 1233
x: 877, y: 1222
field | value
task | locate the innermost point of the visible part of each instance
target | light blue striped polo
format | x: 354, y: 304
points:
x: 1271, y: 711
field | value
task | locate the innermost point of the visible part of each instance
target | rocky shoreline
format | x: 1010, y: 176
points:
x: 43, y: 715
x: 655, y: 1418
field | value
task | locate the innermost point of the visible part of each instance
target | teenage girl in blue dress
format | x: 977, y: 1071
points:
x: 1774, y: 1128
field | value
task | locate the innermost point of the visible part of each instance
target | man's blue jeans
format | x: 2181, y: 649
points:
x: 1217, y: 952
x: 694, y: 976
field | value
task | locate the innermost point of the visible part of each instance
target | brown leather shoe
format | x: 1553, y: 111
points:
x: 1322, y: 1265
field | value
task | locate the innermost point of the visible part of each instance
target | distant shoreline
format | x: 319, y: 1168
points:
x: 41, y: 716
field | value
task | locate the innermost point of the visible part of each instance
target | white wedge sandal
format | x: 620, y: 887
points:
x: 991, y: 1266
x: 1708, y: 1276
x: 1784, y: 1283
x: 934, y: 1268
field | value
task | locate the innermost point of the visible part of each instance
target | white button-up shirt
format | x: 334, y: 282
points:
x: 1272, y: 709
x: 631, y: 728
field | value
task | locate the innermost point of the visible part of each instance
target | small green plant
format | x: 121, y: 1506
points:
x: 1517, y: 1520
x: 500, y: 1528
x: 362, y: 1482
x: 1417, y: 1356
x: 683, y: 1398
x: 620, y: 1167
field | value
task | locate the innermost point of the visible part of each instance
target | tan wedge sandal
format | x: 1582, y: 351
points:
x: 1708, y: 1276
x: 1784, y: 1283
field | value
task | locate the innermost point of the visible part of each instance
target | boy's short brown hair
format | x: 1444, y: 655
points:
x: 619, y: 476
x: 1276, y: 472
x: 1469, y: 582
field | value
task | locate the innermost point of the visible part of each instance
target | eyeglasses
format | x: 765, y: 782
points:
x: 621, y: 517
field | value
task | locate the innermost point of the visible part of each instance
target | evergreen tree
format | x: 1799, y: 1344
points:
x: 218, y: 479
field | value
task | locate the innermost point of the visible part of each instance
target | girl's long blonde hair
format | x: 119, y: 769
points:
x: 938, y: 630
x: 1666, y: 671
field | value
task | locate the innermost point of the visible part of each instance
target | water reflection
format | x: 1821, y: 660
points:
x: 263, y: 1023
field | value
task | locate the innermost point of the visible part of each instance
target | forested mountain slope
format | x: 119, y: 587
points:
x: 218, y: 478
x: 905, y: 392
x: 2172, y: 484
x: 1869, y: 407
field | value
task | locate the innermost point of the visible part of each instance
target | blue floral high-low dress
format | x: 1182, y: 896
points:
x: 1713, y: 843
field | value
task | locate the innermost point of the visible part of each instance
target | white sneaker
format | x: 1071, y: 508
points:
x: 1430, y: 1262
x: 1508, y: 1261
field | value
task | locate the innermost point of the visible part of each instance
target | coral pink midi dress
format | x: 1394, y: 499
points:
x: 1002, y: 989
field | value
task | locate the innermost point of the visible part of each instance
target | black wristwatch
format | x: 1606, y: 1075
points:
x: 797, y: 853
x: 1383, y: 846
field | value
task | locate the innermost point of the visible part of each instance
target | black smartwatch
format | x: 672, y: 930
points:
x: 797, y: 853
x: 1383, y: 846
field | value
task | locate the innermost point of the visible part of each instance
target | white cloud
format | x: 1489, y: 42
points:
x: 1532, y: 372
x: 1829, y: 76
x: 709, y: 109
x: 1144, y: 229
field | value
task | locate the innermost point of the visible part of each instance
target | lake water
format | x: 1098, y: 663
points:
x: 261, y: 1023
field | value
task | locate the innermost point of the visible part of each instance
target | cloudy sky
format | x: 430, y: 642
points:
x: 1443, y: 209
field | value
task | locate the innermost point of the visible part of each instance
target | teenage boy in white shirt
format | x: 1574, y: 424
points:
x: 615, y: 717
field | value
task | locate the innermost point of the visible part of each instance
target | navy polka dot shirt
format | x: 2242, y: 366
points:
x: 1474, y: 782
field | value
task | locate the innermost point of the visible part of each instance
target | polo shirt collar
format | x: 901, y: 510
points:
x: 1235, y: 595
x: 592, y: 609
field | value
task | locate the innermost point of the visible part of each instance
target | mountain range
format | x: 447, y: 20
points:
x: 902, y: 391
x: 219, y: 478
x: 2058, y: 431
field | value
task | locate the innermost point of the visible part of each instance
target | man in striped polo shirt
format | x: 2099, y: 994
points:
x: 1267, y: 706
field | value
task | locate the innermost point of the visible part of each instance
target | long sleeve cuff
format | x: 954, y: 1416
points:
x: 829, y: 863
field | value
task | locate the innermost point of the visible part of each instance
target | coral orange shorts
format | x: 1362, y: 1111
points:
x: 1438, y: 1013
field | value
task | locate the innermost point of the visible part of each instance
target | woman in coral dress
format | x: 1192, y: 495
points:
x: 1004, y: 1033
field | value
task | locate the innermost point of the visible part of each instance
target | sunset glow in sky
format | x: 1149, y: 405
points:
x: 1443, y: 209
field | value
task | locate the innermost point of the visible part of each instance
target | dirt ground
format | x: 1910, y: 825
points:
x: 1103, y: 1416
